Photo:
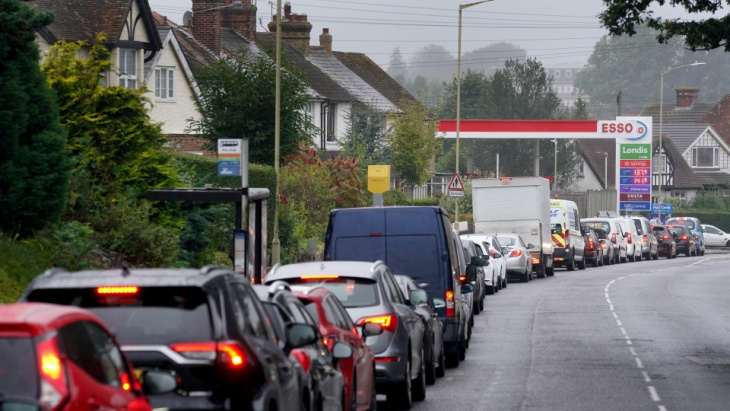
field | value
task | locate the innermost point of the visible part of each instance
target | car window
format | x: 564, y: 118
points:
x: 679, y: 230
x: 152, y: 315
x: 343, y: 314
x: 92, y: 350
x: 681, y: 221
x: 506, y: 241
x: 299, y: 314
x: 18, y: 369
x: 278, y: 320
x: 639, y: 227
x: 712, y: 230
x: 260, y: 325
x: 395, y: 293
x: 335, y: 315
x: 311, y: 308
x: 352, y: 292
x: 239, y: 326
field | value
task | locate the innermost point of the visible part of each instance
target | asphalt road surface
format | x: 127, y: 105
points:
x: 649, y: 335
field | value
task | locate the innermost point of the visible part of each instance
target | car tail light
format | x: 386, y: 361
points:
x: 684, y: 237
x: 54, y: 388
x: 389, y: 321
x: 566, y: 236
x: 225, y: 351
x: 462, y: 279
x: 309, y: 277
x: 515, y: 253
x: 613, y: 238
x: 591, y: 245
x: 121, y: 290
x: 303, y: 359
x: 387, y: 359
x: 535, y: 261
x: 628, y: 237
x: 665, y: 237
x: 645, y: 239
x: 450, y: 305
x: 329, y: 341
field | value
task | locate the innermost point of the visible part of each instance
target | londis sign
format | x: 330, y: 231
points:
x: 625, y: 128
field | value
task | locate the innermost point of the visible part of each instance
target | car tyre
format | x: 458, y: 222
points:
x: 373, y: 395
x: 526, y: 277
x: 504, y: 280
x: 481, y: 305
x: 582, y: 263
x: 570, y: 265
x: 462, y: 350
x: 419, y: 385
x: 452, y: 359
x: 655, y: 256
x: 401, y: 396
x: 441, y: 370
x: 431, y: 369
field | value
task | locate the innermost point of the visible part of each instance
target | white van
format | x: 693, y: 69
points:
x: 614, y: 231
x: 568, y: 243
x: 631, y: 236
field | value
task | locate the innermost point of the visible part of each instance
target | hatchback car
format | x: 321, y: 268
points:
x: 615, y: 234
x: 492, y: 272
x: 206, y: 326
x: 64, y: 358
x: 519, y: 262
x: 685, y: 240
x: 433, y: 337
x: 666, y: 244
x: 695, y: 228
x: 715, y: 237
x: 320, y: 380
x: 646, y: 238
x: 371, y: 295
x: 593, y: 249
x: 606, y: 245
x: 480, y: 282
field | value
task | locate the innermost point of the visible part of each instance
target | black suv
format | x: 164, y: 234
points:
x: 206, y: 327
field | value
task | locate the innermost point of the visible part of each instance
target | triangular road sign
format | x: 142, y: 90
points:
x: 455, y: 184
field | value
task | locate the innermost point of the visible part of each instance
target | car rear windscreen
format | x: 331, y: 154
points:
x: 152, y: 315
x: 352, y: 292
x: 676, y: 221
x: 18, y: 370
x: 507, y: 241
x: 603, y: 225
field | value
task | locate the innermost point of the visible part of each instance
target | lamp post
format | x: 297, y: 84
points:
x: 275, y: 243
x: 661, y: 121
x: 605, y: 168
x: 555, y: 170
x: 458, y: 95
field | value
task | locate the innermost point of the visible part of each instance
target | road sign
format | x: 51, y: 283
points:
x: 456, y: 187
x: 229, y: 157
x: 667, y: 208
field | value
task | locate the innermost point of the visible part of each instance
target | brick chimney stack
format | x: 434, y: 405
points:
x: 686, y: 96
x: 207, y: 24
x: 295, y: 29
x: 240, y: 17
x: 325, y: 40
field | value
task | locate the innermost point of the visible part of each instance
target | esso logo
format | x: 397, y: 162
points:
x: 617, y: 128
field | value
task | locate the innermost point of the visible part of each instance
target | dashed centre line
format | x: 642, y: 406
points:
x: 653, y: 394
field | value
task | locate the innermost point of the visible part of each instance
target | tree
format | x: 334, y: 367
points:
x: 494, y: 55
x: 433, y: 62
x: 413, y: 142
x: 397, y: 66
x: 34, y: 163
x: 237, y: 100
x: 622, y: 17
x: 366, y: 136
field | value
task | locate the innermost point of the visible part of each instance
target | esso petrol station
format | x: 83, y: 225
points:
x: 633, y: 137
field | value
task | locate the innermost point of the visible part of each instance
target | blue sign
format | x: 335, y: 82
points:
x: 665, y: 208
x: 636, y: 180
x: 634, y: 206
x: 229, y: 168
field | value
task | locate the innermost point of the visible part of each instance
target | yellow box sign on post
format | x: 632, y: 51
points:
x: 378, y: 179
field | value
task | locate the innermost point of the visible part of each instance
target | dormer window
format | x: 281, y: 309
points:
x: 164, y: 89
x: 128, y: 68
x: 705, y: 156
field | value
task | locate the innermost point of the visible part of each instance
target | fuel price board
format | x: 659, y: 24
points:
x: 634, y: 177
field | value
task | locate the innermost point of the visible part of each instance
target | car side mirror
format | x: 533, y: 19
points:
x: 467, y: 288
x: 471, y: 273
x: 497, y: 255
x: 298, y: 335
x: 341, y: 350
x: 439, y: 303
x: 157, y: 382
x: 530, y: 246
x: 418, y: 297
x: 478, y: 261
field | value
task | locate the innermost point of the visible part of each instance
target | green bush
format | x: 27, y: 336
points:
x: 21, y: 262
x: 395, y: 198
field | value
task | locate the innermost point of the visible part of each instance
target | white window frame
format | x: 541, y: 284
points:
x: 165, y: 83
x: 696, y: 158
x: 659, y: 165
x: 556, y: 73
x: 128, y: 67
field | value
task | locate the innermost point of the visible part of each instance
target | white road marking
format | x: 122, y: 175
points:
x: 610, y: 307
x: 623, y: 331
x: 653, y: 393
x: 606, y: 294
x: 615, y: 315
x: 609, y: 300
x: 662, y: 408
x: 633, y: 351
x: 646, y: 376
x: 618, y: 322
x: 639, y: 364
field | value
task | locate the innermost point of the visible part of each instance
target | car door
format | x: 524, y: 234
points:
x: 97, y: 368
x: 409, y: 316
x: 713, y: 236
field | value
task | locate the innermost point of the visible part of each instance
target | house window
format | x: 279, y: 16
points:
x: 581, y: 168
x: 557, y: 73
x: 659, y: 163
x: 705, y: 156
x: 330, y: 119
x: 679, y: 194
x: 128, y: 68
x: 309, y: 111
x: 164, y: 89
x: 568, y: 73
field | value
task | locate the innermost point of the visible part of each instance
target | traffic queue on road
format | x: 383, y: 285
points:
x: 385, y: 314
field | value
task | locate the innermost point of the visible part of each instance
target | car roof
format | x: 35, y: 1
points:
x: 39, y: 318
x: 142, y: 277
x: 354, y: 269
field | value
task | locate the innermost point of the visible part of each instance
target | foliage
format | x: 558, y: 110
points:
x: 622, y: 17
x: 72, y: 244
x: 22, y: 261
x: 366, y: 136
x: 491, y: 56
x: 465, y: 205
x: 413, y: 142
x: 34, y: 163
x: 395, y: 198
x: 708, y: 200
x: 237, y: 100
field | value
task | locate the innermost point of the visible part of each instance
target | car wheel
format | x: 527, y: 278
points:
x: 570, y: 265
x: 419, y: 385
x: 353, y: 394
x: 481, y: 305
x: 401, y: 396
x: 595, y: 262
x: 452, y: 358
x: 462, y: 350
x: 373, y: 395
x: 655, y: 256
x: 727, y: 244
x: 441, y: 370
x: 525, y: 277
x: 504, y: 280
x: 582, y: 263
x: 431, y: 366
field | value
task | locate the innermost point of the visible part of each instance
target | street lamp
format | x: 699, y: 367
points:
x: 605, y: 168
x: 661, y: 121
x: 555, y: 172
x: 458, y: 95
x: 275, y: 243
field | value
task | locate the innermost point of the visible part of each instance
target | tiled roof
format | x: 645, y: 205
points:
x: 590, y: 149
x: 719, y: 118
x: 714, y: 179
x: 674, y: 114
x: 681, y: 134
x: 77, y: 20
x: 366, y: 69
x: 317, y: 79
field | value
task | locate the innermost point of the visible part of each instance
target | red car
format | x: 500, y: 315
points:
x: 55, y: 357
x: 335, y: 325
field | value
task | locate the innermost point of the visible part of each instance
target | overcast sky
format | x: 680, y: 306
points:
x: 554, y: 32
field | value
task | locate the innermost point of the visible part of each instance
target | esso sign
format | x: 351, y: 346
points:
x: 624, y: 128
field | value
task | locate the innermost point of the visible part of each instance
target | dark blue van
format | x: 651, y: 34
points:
x: 412, y: 241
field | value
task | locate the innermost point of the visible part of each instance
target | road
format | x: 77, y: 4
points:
x: 650, y: 335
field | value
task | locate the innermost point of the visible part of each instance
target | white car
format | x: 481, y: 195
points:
x: 633, y: 243
x: 497, y: 261
x: 714, y: 237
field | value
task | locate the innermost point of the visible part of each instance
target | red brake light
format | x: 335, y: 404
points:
x: 462, y: 279
x: 450, y: 305
x: 665, y: 236
x: 684, y: 237
x: 389, y: 322
x: 535, y: 261
x: 319, y: 277
x: 227, y: 352
x: 54, y: 389
x: 613, y: 238
x: 303, y: 359
x: 515, y: 253
x: 121, y: 290
x: 646, y: 238
x: 126, y: 384
x: 628, y: 237
x: 387, y: 359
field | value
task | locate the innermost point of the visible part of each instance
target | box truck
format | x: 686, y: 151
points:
x: 519, y: 205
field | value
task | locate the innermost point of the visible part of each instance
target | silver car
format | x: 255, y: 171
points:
x: 519, y: 262
x: 370, y: 294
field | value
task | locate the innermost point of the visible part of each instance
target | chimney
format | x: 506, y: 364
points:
x: 207, y: 24
x: 295, y: 29
x: 240, y: 17
x: 325, y: 40
x: 686, y: 96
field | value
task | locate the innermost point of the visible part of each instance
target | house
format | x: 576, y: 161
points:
x: 563, y: 82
